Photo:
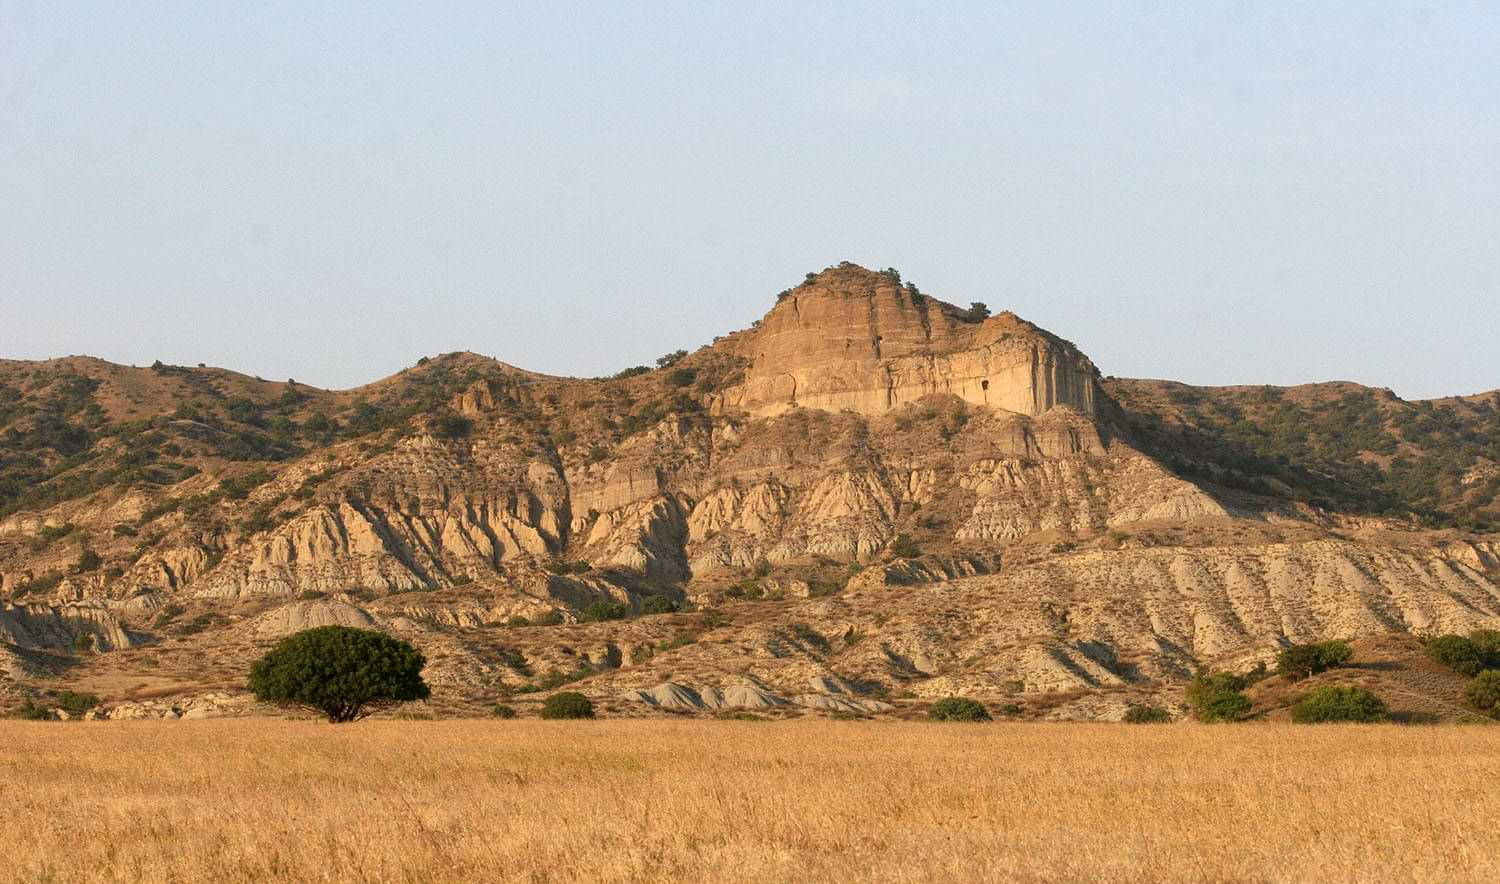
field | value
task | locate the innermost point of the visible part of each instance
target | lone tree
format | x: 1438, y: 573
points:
x: 1297, y: 662
x: 342, y: 672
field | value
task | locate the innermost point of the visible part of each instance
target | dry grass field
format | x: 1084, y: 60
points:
x: 619, y: 800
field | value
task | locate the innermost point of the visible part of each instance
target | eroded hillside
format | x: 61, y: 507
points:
x: 867, y: 497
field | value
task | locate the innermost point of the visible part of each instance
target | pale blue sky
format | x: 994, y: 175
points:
x: 1212, y: 192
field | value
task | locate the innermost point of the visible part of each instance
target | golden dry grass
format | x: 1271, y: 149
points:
x: 620, y: 800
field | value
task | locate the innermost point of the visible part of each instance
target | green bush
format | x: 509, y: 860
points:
x: 568, y: 704
x: 88, y: 560
x: 448, y: 425
x: 75, y: 703
x: 1226, y: 706
x: 1488, y: 642
x: 1460, y: 654
x: 30, y: 710
x: 739, y: 715
x: 658, y: 604
x: 1144, y: 713
x: 504, y: 711
x: 958, y: 709
x: 1217, y: 696
x: 903, y: 547
x: 603, y: 610
x: 1338, y: 703
x: 342, y: 672
x: 1483, y: 693
x: 1304, y: 661
x: 560, y: 567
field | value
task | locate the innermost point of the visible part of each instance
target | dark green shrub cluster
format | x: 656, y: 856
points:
x: 1467, y: 655
x: 448, y: 425
x: 1218, y: 696
x: 30, y: 710
x: 75, y: 703
x: 504, y: 711
x: 958, y: 709
x: 1145, y: 713
x: 561, y: 567
x: 1297, y: 662
x: 602, y: 610
x: 658, y: 604
x: 568, y: 704
x: 342, y: 672
x: 1483, y: 693
x: 1331, y: 703
x: 682, y: 377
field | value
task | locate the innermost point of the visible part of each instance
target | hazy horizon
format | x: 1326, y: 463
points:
x: 1216, y: 194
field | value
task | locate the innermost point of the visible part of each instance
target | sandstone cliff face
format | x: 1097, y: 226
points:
x: 855, y: 340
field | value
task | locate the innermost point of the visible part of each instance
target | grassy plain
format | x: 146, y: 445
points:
x: 652, y: 800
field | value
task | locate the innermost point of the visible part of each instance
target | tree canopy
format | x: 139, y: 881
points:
x: 342, y: 672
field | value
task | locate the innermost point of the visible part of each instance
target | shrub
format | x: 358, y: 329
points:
x: 903, y: 547
x: 30, y: 710
x: 1483, y: 693
x: 1460, y: 654
x: 504, y: 711
x: 562, y: 567
x: 342, y: 672
x: 1338, y: 703
x: 670, y: 358
x: 1304, y: 661
x: 1488, y: 642
x: 1217, y: 696
x: 568, y: 704
x: 88, y: 560
x: 553, y: 617
x: 958, y: 709
x: 1224, y: 706
x: 657, y: 604
x: 1143, y: 713
x: 602, y: 610
x: 75, y: 703
x: 739, y: 715
x: 448, y: 425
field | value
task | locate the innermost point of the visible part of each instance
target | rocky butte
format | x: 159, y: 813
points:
x: 859, y: 341
x: 870, y: 499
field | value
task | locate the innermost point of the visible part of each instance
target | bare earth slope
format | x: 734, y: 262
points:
x: 869, y: 498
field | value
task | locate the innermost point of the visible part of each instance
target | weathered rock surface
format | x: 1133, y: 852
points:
x: 869, y: 497
x: 856, y: 340
x: 297, y: 616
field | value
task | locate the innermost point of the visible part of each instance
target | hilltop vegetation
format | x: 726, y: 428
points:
x: 1337, y: 446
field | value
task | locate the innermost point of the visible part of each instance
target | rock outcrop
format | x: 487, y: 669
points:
x: 856, y: 340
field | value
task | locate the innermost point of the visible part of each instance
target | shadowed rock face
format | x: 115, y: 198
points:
x: 854, y: 340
